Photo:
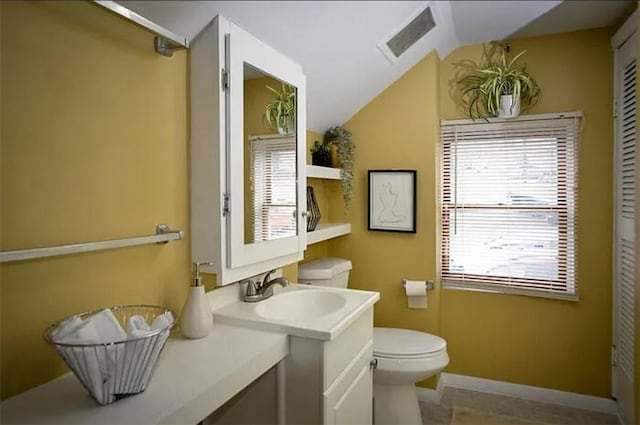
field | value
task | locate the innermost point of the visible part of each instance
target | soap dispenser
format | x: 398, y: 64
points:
x: 197, y: 320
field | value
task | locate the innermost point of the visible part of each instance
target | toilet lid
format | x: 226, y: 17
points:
x: 405, y: 343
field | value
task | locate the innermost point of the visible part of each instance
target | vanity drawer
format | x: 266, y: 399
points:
x: 349, y: 400
x: 340, y: 352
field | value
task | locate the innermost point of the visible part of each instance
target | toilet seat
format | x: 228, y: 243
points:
x: 393, y: 343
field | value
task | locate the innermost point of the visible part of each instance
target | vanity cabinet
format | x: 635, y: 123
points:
x: 331, y: 382
x: 248, y: 192
x: 348, y: 400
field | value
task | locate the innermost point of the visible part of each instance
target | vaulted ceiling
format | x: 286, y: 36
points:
x: 336, y: 41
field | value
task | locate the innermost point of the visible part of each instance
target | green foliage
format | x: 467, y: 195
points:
x: 482, y: 85
x: 281, y: 111
x: 320, y: 147
x: 342, y: 138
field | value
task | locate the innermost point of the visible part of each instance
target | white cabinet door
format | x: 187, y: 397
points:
x: 625, y: 360
x: 223, y: 59
x: 349, y: 401
x: 354, y: 406
x: 250, y: 58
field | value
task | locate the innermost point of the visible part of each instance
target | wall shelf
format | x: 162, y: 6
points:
x: 317, y: 172
x: 326, y: 231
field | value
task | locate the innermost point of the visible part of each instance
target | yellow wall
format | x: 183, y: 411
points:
x: 398, y: 129
x: 94, y: 146
x: 493, y: 336
x: 518, y: 339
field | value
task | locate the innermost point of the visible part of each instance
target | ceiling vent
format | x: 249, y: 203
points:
x: 400, y: 41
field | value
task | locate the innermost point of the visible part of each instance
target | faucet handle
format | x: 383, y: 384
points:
x: 252, y: 288
x: 266, y: 276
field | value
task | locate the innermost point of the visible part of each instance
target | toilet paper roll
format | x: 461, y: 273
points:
x: 416, y: 293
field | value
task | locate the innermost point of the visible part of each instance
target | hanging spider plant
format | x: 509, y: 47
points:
x: 483, y: 86
x: 342, y: 139
x: 280, y: 113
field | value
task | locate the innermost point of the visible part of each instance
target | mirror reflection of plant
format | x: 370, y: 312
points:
x: 281, y: 108
x: 342, y: 139
x: 482, y: 85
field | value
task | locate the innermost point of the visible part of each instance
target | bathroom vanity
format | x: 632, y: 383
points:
x: 328, y: 372
x: 324, y: 362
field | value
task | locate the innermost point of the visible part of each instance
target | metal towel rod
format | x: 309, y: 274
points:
x: 163, y: 235
x: 166, y: 41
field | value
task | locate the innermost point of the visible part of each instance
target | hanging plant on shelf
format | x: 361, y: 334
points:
x: 342, y: 139
x: 498, y: 86
x: 280, y: 113
x: 321, y: 154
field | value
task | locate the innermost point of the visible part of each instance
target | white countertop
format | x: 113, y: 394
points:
x: 192, y: 379
x: 325, y: 328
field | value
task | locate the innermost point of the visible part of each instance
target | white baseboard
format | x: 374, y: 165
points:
x: 527, y: 392
x: 428, y: 395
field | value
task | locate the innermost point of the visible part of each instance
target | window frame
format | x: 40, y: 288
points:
x: 565, y: 285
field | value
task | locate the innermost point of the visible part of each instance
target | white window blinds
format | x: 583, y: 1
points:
x: 509, y: 205
x: 273, y: 177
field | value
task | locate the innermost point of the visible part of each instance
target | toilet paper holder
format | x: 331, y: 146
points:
x: 429, y: 284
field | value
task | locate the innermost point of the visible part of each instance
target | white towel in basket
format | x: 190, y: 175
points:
x: 118, y: 369
x: 95, y: 365
x: 137, y: 351
x: 102, y: 327
x: 138, y: 327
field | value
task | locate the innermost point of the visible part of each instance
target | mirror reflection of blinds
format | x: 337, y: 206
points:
x: 509, y: 206
x: 273, y: 183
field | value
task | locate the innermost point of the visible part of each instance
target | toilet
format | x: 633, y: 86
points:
x: 403, y: 356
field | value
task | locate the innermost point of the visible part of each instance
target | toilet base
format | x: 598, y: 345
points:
x: 396, y: 405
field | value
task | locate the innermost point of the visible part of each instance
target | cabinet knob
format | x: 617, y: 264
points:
x: 373, y: 364
x: 305, y: 213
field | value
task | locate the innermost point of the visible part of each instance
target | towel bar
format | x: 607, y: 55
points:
x: 163, y: 235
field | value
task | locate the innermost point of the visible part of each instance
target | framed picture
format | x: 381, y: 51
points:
x: 392, y: 200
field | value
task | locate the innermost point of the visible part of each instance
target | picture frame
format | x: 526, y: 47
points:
x: 392, y: 200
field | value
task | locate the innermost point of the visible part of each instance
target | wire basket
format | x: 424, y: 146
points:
x: 115, y: 370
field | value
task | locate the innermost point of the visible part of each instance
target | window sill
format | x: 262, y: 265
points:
x: 510, y: 291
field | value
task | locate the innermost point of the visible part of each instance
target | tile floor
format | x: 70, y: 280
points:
x: 440, y: 414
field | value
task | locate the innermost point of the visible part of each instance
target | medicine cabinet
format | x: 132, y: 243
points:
x: 248, y: 195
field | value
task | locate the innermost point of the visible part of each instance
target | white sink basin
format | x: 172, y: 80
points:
x: 300, y: 305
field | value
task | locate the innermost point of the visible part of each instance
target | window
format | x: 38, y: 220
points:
x: 273, y: 177
x: 509, y: 205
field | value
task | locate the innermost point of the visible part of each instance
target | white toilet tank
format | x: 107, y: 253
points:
x: 325, y: 272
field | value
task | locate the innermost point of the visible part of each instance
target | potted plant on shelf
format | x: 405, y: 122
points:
x: 281, y: 111
x: 321, y: 154
x: 341, y: 138
x: 498, y: 86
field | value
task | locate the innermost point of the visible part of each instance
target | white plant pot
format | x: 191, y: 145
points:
x: 286, y: 126
x: 509, y: 107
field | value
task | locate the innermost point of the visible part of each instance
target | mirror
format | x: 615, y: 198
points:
x: 270, y: 201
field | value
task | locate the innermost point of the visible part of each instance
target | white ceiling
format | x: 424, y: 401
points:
x: 576, y: 15
x: 336, y: 41
x: 481, y: 21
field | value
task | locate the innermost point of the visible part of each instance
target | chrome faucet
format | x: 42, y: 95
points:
x: 262, y: 291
